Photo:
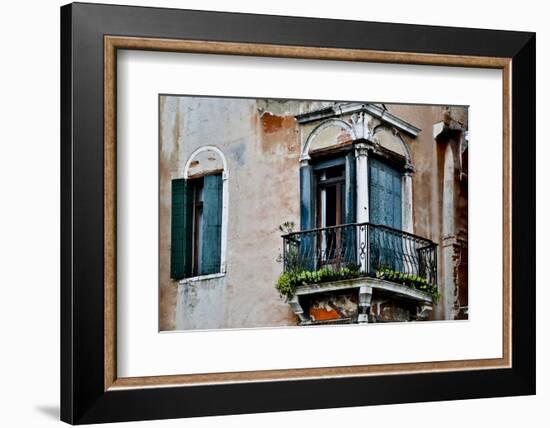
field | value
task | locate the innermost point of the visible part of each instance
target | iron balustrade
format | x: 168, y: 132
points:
x: 373, y: 250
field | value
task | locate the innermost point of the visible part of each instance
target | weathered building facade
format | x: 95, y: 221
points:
x: 373, y: 199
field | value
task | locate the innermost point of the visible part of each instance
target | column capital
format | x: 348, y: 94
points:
x: 304, y: 160
x: 408, y: 169
x: 449, y: 240
x: 361, y: 148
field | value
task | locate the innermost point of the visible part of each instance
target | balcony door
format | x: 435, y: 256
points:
x: 386, y: 247
x: 327, y: 201
x: 330, y: 191
x: 330, y: 207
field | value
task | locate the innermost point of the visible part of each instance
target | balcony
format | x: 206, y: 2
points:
x: 367, y: 257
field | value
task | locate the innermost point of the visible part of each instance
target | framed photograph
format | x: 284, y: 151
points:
x: 257, y: 209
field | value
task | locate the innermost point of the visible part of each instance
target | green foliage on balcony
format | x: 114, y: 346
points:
x: 409, y: 280
x: 289, y: 280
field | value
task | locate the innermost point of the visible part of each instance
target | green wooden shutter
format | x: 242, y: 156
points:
x: 182, y: 230
x: 211, y: 225
x: 307, y: 213
x: 306, y: 198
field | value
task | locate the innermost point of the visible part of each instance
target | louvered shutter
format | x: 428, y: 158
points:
x: 211, y: 225
x: 307, y: 203
x: 182, y: 230
x: 385, y: 209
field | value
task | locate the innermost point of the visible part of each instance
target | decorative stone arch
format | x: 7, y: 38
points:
x: 219, y: 159
x: 392, y: 141
x: 201, y: 150
x: 329, y: 123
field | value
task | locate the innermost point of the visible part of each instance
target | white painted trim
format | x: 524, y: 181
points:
x: 225, y: 221
x: 205, y: 149
x: 225, y: 199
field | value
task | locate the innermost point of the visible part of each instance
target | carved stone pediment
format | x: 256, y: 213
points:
x: 341, y: 124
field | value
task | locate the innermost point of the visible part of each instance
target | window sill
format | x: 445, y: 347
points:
x: 201, y: 278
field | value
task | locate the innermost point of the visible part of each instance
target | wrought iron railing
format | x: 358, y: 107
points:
x: 368, y: 249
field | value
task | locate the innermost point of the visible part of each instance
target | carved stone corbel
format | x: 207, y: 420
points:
x: 423, y: 312
x: 365, y: 299
x: 297, y: 309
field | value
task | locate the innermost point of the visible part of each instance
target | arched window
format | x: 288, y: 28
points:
x: 199, y: 216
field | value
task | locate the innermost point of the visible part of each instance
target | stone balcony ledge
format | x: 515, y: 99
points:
x: 365, y: 288
x: 375, y: 283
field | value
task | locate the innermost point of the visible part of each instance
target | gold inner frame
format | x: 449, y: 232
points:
x: 112, y: 43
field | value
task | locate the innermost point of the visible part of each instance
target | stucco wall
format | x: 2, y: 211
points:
x: 261, y: 146
x: 261, y: 142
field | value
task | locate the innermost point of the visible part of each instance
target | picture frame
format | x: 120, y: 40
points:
x: 91, y: 391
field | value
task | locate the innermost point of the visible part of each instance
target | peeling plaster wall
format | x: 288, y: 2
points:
x: 261, y: 142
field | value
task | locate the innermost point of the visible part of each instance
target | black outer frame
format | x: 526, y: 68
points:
x: 83, y: 399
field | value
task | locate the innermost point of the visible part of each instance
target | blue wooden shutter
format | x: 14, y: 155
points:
x: 350, y: 211
x: 384, y: 194
x: 181, y: 230
x: 385, y: 209
x: 211, y: 225
x: 307, y: 213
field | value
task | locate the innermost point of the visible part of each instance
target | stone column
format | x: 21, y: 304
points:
x: 362, y: 180
x: 448, y: 237
x: 449, y: 291
x: 407, y: 199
